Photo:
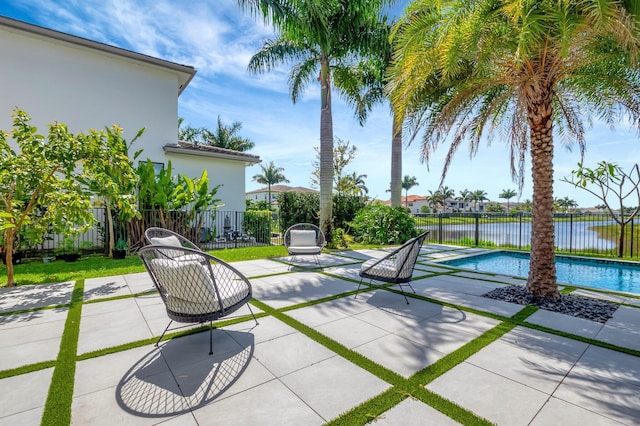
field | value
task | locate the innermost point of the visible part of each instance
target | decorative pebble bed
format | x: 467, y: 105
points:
x: 577, y: 306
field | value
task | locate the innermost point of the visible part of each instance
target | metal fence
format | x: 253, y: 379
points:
x: 577, y: 233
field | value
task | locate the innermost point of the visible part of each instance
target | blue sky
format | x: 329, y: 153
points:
x: 218, y: 39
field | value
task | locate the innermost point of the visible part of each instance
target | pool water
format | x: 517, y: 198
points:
x: 603, y: 274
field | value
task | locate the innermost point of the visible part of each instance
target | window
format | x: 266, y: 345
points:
x: 157, y: 167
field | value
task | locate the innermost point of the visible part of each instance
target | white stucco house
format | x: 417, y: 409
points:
x: 85, y: 84
x: 262, y: 194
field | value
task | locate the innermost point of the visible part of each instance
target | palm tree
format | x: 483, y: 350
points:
x: 353, y: 184
x: 226, y: 137
x: 223, y: 137
x: 446, y: 193
x: 479, y: 196
x: 363, y: 88
x: 465, y: 196
x: 408, y: 182
x: 508, y: 194
x: 271, y: 175
x: 316, y: 37
x: 524, y: 67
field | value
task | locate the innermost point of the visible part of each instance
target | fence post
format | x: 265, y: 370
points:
x: 570, y: 232
x: 477, y: 231
x: 520, y: 230
x: 235, y: 239
x: 631, y: 236
x: 440, y: 228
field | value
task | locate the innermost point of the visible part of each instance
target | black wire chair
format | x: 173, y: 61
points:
x: 396, y: 267
x: 195, y: 286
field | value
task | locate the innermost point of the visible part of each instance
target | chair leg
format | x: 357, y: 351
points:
x: 253, y: 315
x: 211, y: 337
x: 405, y: 296
x: 162, y: 335
x: 358, y: 290
x: 293, y: 256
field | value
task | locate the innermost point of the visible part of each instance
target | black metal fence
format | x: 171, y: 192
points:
x: 578, y: 233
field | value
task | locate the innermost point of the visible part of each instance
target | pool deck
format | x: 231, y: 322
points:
x: 307, y: 364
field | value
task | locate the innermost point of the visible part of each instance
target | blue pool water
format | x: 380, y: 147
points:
x: 609, y: 275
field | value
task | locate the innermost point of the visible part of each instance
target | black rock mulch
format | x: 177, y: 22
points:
x: 577, y: 306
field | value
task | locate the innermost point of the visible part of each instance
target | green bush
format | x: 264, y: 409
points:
x: 257, y: 223
x: 298, y: 207
x: 380, y: 224
x: 345, y: 208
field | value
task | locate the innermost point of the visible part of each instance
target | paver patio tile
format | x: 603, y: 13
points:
x: 606, y: 382
x: 332, y: 310
x: 558, y: 412
x: 271, y: 403
x: 290, y: 353
x: 322, y: 386
x: 290, y: 289
x: 105, y: 287
x: 24, y: 395
x: 255, y: 268
x: 351, y: 332
x: 35, y: 296
x: 489, y: 395
x: 399, y: 354
x: 269, y: 328
x: 557, y: 321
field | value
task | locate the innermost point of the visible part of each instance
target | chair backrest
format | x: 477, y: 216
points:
x: 195, y: 285
x: 407, y: 255
x: 162, y: 236
x: 305, y: 235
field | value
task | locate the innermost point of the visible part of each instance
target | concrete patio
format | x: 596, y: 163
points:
x: 280, y: 372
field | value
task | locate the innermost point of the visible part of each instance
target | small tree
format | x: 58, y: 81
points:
x: 113, y: 177
x: 612, y: 182
x: 40, y: 185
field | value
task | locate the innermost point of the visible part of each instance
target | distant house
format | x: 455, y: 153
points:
x: 412, y: 202
x: 85, y: 84
x: 262, y: 194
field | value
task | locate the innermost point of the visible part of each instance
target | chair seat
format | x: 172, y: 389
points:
x: 304, y: 249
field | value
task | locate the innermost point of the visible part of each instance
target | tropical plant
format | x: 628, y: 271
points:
x: 614, y: 186
x: 508, y: 194
x: 222, y: 137
x: 524, y: 67
x: 271, y: 175
x: 408, y: 182
x: 316, y: 37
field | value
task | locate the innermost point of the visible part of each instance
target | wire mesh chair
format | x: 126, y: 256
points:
x: 396, y: 267
x: 162, y: 236
x: 195, y: 286
x: 304, y: 239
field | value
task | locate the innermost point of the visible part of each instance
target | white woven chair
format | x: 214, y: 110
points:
x: 396, y: 267
x: 195, y: 286
x: 304, y: 239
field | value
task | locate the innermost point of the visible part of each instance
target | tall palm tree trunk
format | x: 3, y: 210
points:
x: 542, y: 271
x: 326, y: 150
x: 396, y: 166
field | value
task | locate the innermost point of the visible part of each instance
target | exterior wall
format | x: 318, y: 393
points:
x: 229, y: 173
x: 84, y: 88
x: 262, y: 196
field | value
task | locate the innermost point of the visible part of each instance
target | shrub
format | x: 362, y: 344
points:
x: 345, y: 208
x: 341, y: 239
x: 380, y: 224
x: 298, y: 207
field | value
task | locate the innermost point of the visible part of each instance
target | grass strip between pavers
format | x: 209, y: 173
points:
x: 57, y: 409
x: 26, y: 369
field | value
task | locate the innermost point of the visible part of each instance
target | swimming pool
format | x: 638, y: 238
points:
x: 603, y: 274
